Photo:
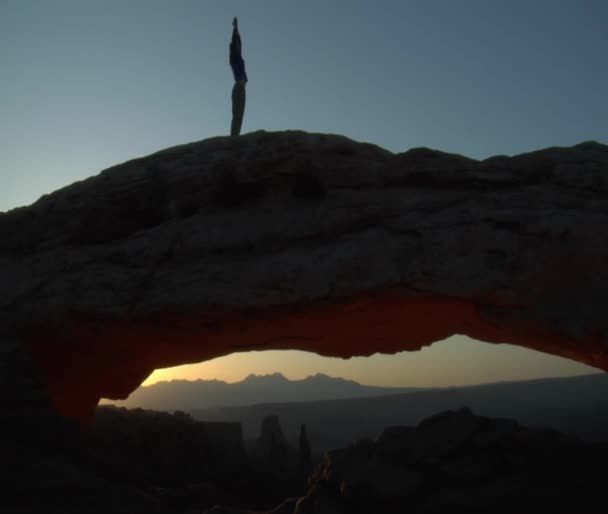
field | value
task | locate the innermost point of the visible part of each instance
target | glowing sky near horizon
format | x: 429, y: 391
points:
x: 89, y: 84
x: 456, y: 361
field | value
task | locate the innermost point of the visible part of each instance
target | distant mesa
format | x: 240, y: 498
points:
x: 293, y: 240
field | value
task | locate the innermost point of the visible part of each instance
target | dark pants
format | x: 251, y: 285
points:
x: 238, y: 107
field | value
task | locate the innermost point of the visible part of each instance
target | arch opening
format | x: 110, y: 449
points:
x: 455, y: 362
x: 342, y: 401
x: 119, y: 355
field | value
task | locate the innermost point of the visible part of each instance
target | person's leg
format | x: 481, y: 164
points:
x: 238, y: 108
x: 233, y: 126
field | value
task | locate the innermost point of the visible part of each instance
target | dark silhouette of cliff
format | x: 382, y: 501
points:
x: 188, y: 464
x: 456, y: 461
x: 574, y: 405
x: 304, y: 453
x: 167, y: 450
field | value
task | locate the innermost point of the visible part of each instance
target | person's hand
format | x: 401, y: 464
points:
x: 235, y: 23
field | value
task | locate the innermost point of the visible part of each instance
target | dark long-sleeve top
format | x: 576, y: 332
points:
x: 236, y: 59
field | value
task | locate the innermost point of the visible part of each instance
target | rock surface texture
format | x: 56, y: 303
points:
x: 458, y: 462
x: 307, y: 241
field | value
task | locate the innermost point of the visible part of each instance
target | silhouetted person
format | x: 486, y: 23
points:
x: 240, y: 79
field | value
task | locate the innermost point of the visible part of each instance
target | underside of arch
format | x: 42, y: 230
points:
x: 118, y: 355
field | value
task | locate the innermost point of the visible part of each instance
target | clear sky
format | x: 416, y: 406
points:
x: 86, y: 84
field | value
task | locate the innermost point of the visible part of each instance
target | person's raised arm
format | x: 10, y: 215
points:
x: 236, y: 36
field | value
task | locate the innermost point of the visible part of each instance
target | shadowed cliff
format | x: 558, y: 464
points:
x: 307, y: 241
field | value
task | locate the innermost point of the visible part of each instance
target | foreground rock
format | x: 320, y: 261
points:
x: 169, y: 450
x: 307, y: 241
x: 455, y: 462
x: 271, y: 450
x: 191, y: 465
x: 138, y: 462
x: 459, y: 462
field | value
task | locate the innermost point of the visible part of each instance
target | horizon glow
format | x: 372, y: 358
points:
x: 456, y: 361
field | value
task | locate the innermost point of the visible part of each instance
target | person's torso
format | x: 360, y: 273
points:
x: 237, y: 64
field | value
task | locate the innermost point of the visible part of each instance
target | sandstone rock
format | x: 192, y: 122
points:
x: 286, y: 507
x: 459, y: 462
x: 169, y: 450
x: 55, y: 483
x: 219, y: 509
x: 307, y: 241
x: 271, y: 451
x: 304, y: 453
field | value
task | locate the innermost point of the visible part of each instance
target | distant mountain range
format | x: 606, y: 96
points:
x: 575, y: 405
x: 274, y: 388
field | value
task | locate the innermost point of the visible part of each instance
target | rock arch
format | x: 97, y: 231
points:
x: 307, y: 241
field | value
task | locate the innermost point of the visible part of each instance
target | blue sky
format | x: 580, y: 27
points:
x: 87, y: 84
